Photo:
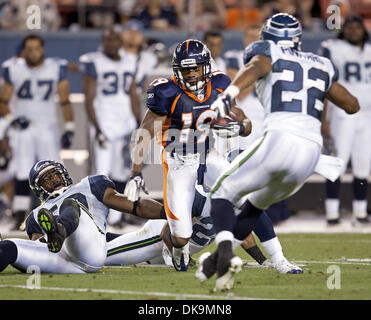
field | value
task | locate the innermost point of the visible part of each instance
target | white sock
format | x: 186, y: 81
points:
x: 223, y: 236
x: 359, y: 208
x: 236, y: 243
x: 332, y: 209
x: 273, y: 249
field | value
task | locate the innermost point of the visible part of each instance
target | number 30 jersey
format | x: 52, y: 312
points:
x: 292, y: 94
x: 34, y: 89
x: 187, y: 126
x: 112, y: 103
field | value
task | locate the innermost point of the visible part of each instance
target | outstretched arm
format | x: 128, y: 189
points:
x: 257, y: 67
x: 342, y: 98
x: 144, y: 208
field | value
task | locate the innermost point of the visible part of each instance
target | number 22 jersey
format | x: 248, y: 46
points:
x: 292, y: 94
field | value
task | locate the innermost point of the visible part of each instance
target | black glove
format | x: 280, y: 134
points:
x: 20, y: 123
x: 66, y: 140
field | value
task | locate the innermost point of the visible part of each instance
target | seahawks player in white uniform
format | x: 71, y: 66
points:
x: 351, y: 54
x: 69, y: 227
x: 291, y: 85
x: 113, y: 106
x: 33, y: 82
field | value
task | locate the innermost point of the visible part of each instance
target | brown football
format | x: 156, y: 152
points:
x: 228, y: 118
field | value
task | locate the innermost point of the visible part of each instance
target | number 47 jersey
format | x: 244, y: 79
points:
x: 35, y: 88
x: 292, y: 94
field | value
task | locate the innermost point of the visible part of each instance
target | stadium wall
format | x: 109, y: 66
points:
x: 71, y: 45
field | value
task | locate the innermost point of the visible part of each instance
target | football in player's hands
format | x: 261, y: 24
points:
x: 230, y: 117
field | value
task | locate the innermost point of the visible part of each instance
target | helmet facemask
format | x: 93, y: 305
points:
x: 196, y: 83
x: 51, y: 181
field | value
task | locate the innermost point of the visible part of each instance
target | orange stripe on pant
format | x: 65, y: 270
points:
x: 166, y: 169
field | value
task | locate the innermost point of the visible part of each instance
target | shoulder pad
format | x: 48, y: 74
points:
x: 261, y: 47
x: 220, y: 80
x: 161, y: 94
x: 164, y: 87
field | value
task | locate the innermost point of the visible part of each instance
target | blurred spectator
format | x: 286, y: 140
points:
x: 214, y: 41
x: 126, y: 9
x: 101, y: 20
x: 157, y: 16
x: 243, y: 13
x: 209, y: 14
x: 14, y: 15
x: 132, y: 37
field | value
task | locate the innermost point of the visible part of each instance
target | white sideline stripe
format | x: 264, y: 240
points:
x: 336, y: 261
x: 163, y: 294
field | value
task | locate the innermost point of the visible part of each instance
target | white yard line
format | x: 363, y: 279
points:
x: 161, y: 294
x: 336, y: 261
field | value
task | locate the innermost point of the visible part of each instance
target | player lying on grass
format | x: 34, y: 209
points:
x: 147, y: 245
x: 73, y: 218
x: 75, y: 236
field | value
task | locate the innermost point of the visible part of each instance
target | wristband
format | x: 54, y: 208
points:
x: 233, y: 91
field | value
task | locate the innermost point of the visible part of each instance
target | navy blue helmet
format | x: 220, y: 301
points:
x: 191, y: 54
x: 283, y: 29
x: 48, y: 178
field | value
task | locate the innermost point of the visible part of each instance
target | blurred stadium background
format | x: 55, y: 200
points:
x: 73, y: 27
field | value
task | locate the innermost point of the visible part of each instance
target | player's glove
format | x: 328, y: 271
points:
x: 66, y: 140
x: 133, y: 187
x: 20, y: 123
x: 223, y: 104
x: 229, y: 130
x: 101, y: 139
x: 69, y: 132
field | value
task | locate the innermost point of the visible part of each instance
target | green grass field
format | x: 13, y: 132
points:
x: 314, y: 252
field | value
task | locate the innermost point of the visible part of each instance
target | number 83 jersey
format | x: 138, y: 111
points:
x: 292, y: 94
x: 187, y: 126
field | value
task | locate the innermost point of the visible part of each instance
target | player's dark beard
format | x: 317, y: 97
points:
x: 114, y: 55
x: 31, y: 63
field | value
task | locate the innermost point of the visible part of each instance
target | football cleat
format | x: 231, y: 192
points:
x: 55, y: 231
x: 360, y: 222
x: 180, y: 258
x: 226, y: 281
x: 166, y: 255
x: 284, y: 266
x: 333, y: 222
x: 267, y: 264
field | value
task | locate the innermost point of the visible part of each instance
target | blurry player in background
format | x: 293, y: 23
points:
x: 214, y: 41
x: 351, y: 55
x: 69, y: 227
x: 133, y: 42
x: 33, y: 82
x: 277, y: 165
x: 7, y: 168
x: 113, y: 107
x: 178, y: 110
